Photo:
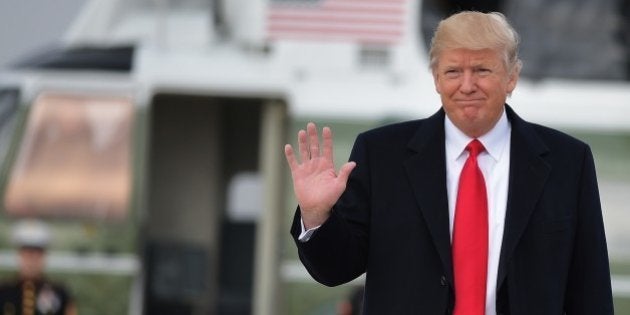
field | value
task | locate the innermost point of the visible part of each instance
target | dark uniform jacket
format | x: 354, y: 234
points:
x: 392, y: 223
x: 28, y: 297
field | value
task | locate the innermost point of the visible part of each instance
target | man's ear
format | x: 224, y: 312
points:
x: 512, y: 80
x: 515, y: 73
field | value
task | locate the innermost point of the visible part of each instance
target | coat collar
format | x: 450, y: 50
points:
x: 426, y: 172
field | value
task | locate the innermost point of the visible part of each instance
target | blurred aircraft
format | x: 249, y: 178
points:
x: 152, y: 135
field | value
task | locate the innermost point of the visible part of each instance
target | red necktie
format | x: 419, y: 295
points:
x: 470, y: 237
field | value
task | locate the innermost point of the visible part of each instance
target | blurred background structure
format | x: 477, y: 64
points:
x: 149, y: 133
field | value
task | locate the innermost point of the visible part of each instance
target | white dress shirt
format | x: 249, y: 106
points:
x: 495, y: 166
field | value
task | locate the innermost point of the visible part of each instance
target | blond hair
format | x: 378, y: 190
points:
x: 476, y: 30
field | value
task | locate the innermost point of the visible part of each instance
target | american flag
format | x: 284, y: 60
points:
x: 363, y: 21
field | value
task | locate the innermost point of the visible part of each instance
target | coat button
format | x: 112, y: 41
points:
x: 443, y: 281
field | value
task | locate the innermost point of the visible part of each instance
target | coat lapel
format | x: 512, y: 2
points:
x: 426, y: 172
x: 528, y: 174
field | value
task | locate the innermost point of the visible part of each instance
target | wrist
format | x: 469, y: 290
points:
x: 313, y: 219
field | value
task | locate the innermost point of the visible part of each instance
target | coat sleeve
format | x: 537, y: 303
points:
x: 589, y: 287
x: 337, y: 252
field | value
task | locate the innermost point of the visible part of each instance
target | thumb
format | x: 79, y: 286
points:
x: 345, y: 171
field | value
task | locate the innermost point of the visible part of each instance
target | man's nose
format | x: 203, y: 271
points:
x: 469, y: 83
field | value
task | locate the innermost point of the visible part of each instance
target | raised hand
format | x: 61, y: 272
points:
x: 316, y: 184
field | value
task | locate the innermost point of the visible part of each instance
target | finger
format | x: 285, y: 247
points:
x: 303, y: 147
x: 345, y: 171
x: 313, y: 140
x: 327, y: 150
x: 288, y: 153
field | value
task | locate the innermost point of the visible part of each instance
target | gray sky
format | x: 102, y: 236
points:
x: 28, y: 25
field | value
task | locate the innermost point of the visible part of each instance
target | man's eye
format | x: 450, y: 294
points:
x: 451, y: 72
x: 483, y: 71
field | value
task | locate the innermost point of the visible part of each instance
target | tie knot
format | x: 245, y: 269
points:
x: 475, y: 147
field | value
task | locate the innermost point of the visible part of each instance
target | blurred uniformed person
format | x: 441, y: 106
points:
x: 31, y: 293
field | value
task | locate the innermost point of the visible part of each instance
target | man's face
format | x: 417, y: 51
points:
x: 473, y: 86
x: 31, y: 262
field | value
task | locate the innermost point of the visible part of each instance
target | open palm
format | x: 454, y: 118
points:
x: 316, y: 184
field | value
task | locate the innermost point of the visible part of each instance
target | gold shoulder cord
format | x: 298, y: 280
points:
x: 28, y: 298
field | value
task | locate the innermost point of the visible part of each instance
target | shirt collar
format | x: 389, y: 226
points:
x: 494, y: 140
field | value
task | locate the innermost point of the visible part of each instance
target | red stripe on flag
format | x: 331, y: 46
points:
x: 280, y: 17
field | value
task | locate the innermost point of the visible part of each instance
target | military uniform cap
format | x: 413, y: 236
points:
x: 31, y: 233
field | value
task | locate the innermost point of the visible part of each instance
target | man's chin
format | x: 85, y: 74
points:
x: 472, y: 124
